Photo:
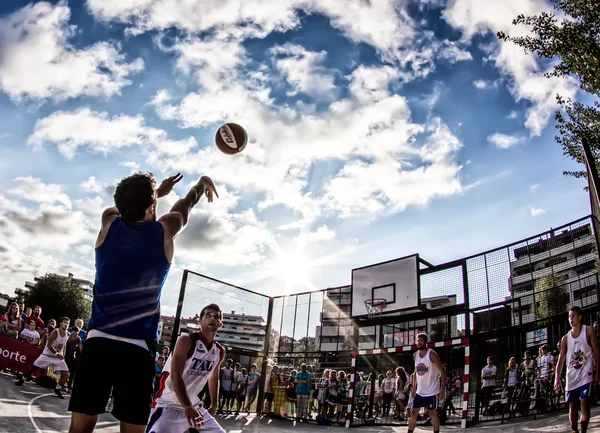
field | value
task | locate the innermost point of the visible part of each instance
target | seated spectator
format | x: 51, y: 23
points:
x: 14, y: 320
x: 29, y: 334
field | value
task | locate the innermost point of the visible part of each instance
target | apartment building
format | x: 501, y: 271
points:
x: 569, y: 255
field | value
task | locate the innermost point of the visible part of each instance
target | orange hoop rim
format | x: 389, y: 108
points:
x: 376, y: 302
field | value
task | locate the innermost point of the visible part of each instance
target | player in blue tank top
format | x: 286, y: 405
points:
x: 134, y: 252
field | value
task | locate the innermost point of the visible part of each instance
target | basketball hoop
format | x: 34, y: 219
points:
x: 375, y: 307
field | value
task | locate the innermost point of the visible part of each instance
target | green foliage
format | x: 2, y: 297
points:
x: 551, y: 298
x: 572, y: 39
x: 438, y: 330
x: 59, y: 297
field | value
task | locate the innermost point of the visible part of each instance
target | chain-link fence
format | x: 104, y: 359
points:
x: 502, y: 302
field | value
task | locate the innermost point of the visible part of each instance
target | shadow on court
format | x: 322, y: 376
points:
x: 51, y: 416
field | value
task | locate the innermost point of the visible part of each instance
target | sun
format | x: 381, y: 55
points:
x: 293, y: 268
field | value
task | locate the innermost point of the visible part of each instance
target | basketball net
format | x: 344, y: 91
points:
x: 375, y: 307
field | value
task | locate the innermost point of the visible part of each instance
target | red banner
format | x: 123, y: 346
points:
x: 16, y: 355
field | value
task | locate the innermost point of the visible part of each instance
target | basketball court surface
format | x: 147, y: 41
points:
x: 33, y: 409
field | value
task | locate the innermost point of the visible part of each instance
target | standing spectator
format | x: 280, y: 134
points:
x: 332, y: 392
x: 271, y: 381
x: 529, y: 365
x: 226, y: 384
x: 29, y: 334
x: 72, y: 351
x: 304, y: 381
x: 510, y: 382
x: 25, y: 313
x: 488, y: 374
x: 48, y: 331
x: 14, y: 320
x: 253, y: 379
x: 322, y: 395
x: 545, y: 362
x: 22, y: 309
x: 242, y: 385
x: 158, y: 368
x: 39, y: 323
x: 237, y: 378
x: 401, y: 381
x: 291, y: 395
x: 82, y: 334
x: 388, y: 386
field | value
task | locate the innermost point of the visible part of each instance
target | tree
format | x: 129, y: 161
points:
x: 307, y: 345
x: 59, y: 297
x: 573, y: 38
x: 550, y: 297
x: 438, y: 330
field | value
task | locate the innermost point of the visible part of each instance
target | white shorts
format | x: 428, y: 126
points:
x: 45, y: 361
x: 170, y: 420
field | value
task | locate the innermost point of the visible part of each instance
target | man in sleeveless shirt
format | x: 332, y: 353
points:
x: 195, y: 362
x: 429, y: 392
x: 53, y: 355
x: 134, y: 252
x: 579, y: 350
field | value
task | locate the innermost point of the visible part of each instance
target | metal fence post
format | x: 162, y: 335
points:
x: 265, y: 362
x: 177, y: 322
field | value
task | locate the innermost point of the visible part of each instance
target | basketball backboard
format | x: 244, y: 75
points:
x: 396, y: 281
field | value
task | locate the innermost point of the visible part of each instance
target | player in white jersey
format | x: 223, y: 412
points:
x: 53, y: 355
x: 580, y: 349
x: 429, y: 392
x: 195, y: 361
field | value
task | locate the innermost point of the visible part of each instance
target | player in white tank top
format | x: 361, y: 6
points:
x: 428, y: 372
x: 53, y: 355
x: 195, y: 362
x: 579, y: 349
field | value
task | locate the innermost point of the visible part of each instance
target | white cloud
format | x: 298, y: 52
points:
x: 92, y: 185
x: 33, y: 189
x: 370, y: 123
x: 527, y: 80
x: 537, y: 211
x: 323, y: 233
x: 502, y: 141
x: 534, y: 187
x: 102, y: 134
x: 386, y: 25
x: 480, y: 84
x: 39, y: 63
x: 302, y: 69
x: 134, y: 166
x: 512, y: 115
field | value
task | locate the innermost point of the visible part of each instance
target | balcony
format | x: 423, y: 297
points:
x: 569, y: 264
x: 333, y: 331
x: 554, y: 252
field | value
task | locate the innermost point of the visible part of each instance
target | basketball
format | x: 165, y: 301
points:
x: 231, y: 138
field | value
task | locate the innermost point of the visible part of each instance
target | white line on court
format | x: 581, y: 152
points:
x: 37, y: 429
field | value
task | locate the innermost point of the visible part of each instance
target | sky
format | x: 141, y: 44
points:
x: 377, y: 129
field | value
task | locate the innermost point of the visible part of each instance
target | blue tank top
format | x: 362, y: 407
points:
x: 131, y: 269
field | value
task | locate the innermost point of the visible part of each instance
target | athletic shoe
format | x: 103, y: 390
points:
x: 58, y: 393
x: 20, y: 382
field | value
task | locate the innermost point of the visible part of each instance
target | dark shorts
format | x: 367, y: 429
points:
x: 124, y: 368
x: 429, y: 403
x: 580, y: 393
x: 487, y: 391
